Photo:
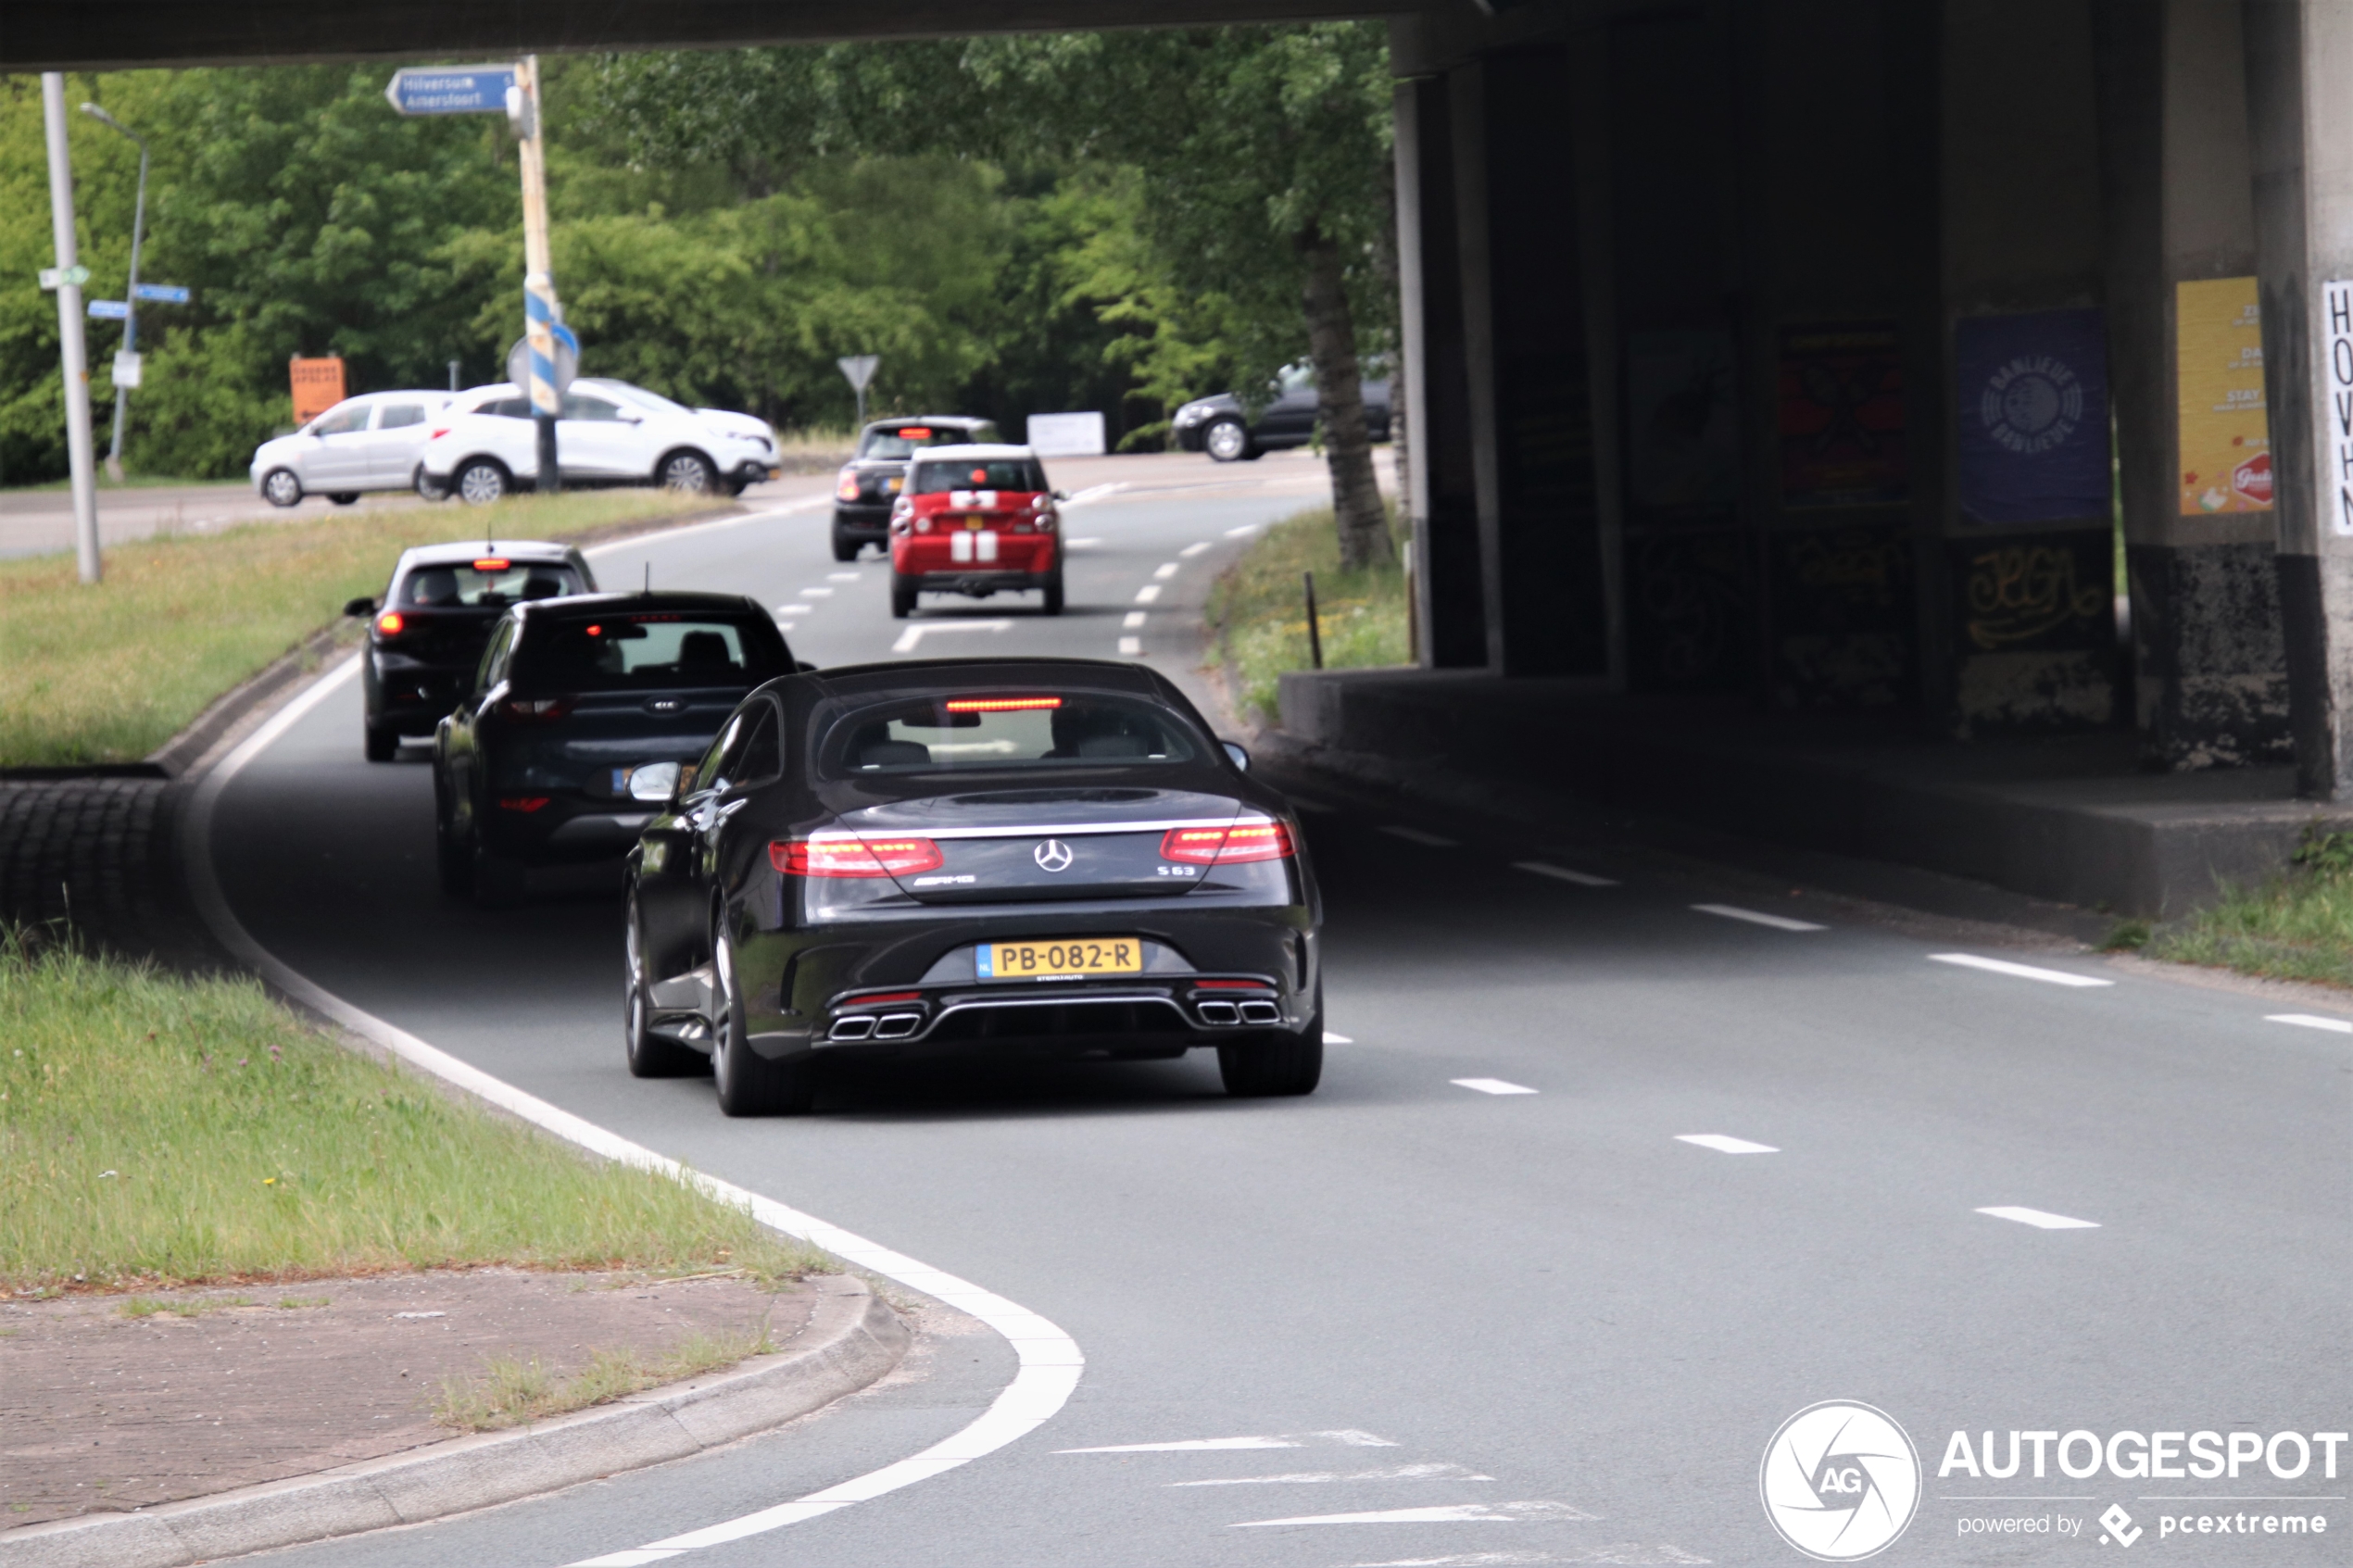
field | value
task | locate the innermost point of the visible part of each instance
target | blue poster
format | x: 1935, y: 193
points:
x: 2032, y: 395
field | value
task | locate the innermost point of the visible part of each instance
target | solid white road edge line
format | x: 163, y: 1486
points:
x: 1049, y: 1359
x: 1723, y: 1143
x: 1757, y: 917
x: 2021, y: 971
x: 2309, y: 1021
x: 1492, y: 1085
x: 2040, y: 1220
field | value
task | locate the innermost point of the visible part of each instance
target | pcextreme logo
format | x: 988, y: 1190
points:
x: 1840, y: 1481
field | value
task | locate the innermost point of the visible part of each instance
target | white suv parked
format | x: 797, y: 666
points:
x: 370, y: 441
x: 610, y: 432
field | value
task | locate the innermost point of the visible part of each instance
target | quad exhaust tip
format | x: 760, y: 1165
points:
x: 1261, y: 1012
x: 1219, y: 1012
x: 869, y: 1026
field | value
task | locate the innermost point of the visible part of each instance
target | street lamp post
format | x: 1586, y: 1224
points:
x: 130, y: 295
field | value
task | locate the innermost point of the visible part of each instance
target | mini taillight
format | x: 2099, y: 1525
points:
x: 536, y: 710
x: 853, y: 857
x: 846, y: 488
x: 493, y: 563
x: 524, y: 803
x: 1227, y: 845
x: 389, y: 624
x: 1000, y: 704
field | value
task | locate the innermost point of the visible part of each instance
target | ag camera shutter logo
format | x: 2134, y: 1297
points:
x: 1840, y: 1481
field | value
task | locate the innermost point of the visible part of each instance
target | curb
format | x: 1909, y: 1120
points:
x: 854, y: 1339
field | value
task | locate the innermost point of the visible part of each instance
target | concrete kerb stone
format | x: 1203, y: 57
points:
x: 853, y: 1338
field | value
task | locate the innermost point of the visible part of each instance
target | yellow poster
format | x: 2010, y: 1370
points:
x: 2226, y: 439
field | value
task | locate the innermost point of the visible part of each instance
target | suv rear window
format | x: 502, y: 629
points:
x: 906, y: 440
x: 970, y: 730
x: 981, y: 474
x: 649, y: 648
x: 487, y: 581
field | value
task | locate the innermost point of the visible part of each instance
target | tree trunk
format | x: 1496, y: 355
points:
x: 1331, y: 348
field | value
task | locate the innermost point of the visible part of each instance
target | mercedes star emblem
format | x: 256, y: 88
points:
x: 1052, y: 856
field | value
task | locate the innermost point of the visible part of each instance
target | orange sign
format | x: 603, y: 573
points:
x: 2226, y: 445
x: 318, y: 386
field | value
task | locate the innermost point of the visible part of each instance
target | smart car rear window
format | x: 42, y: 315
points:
x: 978, y: 473
x: 491, y: 580
x: 649, y: 648
x: 945, y: 733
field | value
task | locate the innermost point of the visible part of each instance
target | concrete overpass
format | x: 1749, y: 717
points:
x: 1799, y: 351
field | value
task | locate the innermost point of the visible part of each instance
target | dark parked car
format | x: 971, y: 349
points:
x: 558, y: 752
x: 425, y: 640
x: 871, y: 481
x: 1025, y: 857
x: 1221, y: 427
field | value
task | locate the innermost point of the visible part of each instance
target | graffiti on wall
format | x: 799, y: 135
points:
x: 2050, y: 593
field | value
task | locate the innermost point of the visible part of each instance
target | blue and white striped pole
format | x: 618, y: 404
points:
x: 539, y: 308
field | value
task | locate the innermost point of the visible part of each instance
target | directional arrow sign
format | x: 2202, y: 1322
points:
x: 162, y: 294
x: 109, y: 309
x: 450, y: 89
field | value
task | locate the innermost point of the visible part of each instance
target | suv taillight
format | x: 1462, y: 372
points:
x: 1226, y: 846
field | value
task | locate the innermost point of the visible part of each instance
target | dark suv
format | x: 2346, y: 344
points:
x: 1218, y: 425
x: 427, y: 636
x: 870, y: 482
x: 569, y: 740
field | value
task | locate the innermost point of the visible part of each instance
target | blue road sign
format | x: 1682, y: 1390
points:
x: 109, y: 309
x: 162, y: 294
x: 450, y: 89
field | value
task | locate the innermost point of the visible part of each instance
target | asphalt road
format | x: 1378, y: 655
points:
x: 1481, y: 1274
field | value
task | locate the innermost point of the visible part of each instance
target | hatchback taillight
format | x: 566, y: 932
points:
x: 853, y: 857
x: 536, y: 710
x: 1226, y: 846
x: 390, y: 623
x: 846, y: 487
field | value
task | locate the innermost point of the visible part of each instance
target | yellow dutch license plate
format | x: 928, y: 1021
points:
x: 1061, y: 959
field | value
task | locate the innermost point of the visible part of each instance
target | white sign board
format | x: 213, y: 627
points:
x: 859, y: 370
x: 126, y: 369
x: 2336, y: 391
x: 1066, y: 435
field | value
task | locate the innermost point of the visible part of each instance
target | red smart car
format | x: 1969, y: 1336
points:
x: 975, y: 520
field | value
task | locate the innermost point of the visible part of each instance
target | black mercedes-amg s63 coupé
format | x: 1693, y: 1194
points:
x: 1031, y: 856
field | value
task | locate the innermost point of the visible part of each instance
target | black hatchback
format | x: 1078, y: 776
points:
x: 871, y: 481
x: 577, y: 719
x: 426, y: 639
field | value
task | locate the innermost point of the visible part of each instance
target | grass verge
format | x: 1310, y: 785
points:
x: 1258, y: 610
x: 159, y: 1131
x: 512, y: 1391
x: 108, y: 674
x: 2297, y: 926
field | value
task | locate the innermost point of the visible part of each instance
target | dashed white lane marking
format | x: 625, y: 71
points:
x: 1758, y: 917
x: 1723, y: 1142
x: 2309, y: 1021
x: 1190, y: 551
x: 1562, y: 873
x: 1310, y: 1477
x: 1492, y: 1085
x: 1346, y: 1438
x: 1245, y: 531
x: 1332, y: 1040
x: 1131, y: 648
x: 841, y: 577
x: 1147, y: 594
x: 1135, y: 619
x: 1165, y: 570
x: 2039, y: 1220
x: 794, y: 609
x: 1415, y: 836
x: 1454, y: 1514
x: 912, y: 638
x: 1050, y: 1360
x: 1080, y: 544
x: 1096, y: 493
x: 816, y: 593
x: 2019, y: 971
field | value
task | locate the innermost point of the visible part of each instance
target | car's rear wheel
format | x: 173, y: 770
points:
x: 1227, y: 441
x: 902, y: 596
x: 1281, y: 1064
x: 481, y: 481
x: 429, y: 488
x: 846, y: 546
x: 1054, y: 594
x: 689, y: 473
x: 383, y: 745
x: 650, y: 1056
x: 281, y: 488
x: 749, y: 1083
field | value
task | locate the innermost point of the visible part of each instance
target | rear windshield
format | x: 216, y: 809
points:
x: 906, y: 440
x: 942, y: 733
x: 487, y: 581
x: 649, y: 648
x: 985, y: 473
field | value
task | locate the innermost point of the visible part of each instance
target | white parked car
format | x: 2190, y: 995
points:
x: 370, y: 441
x: 610, y: 432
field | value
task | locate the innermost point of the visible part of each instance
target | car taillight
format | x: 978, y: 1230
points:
x: 439, y: 433
x: 846, y: 488
x: 524, y: 803
x: 390, y: 623
x: 1227, y: 845
x: 536, y: 710
x: 853, y: 857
